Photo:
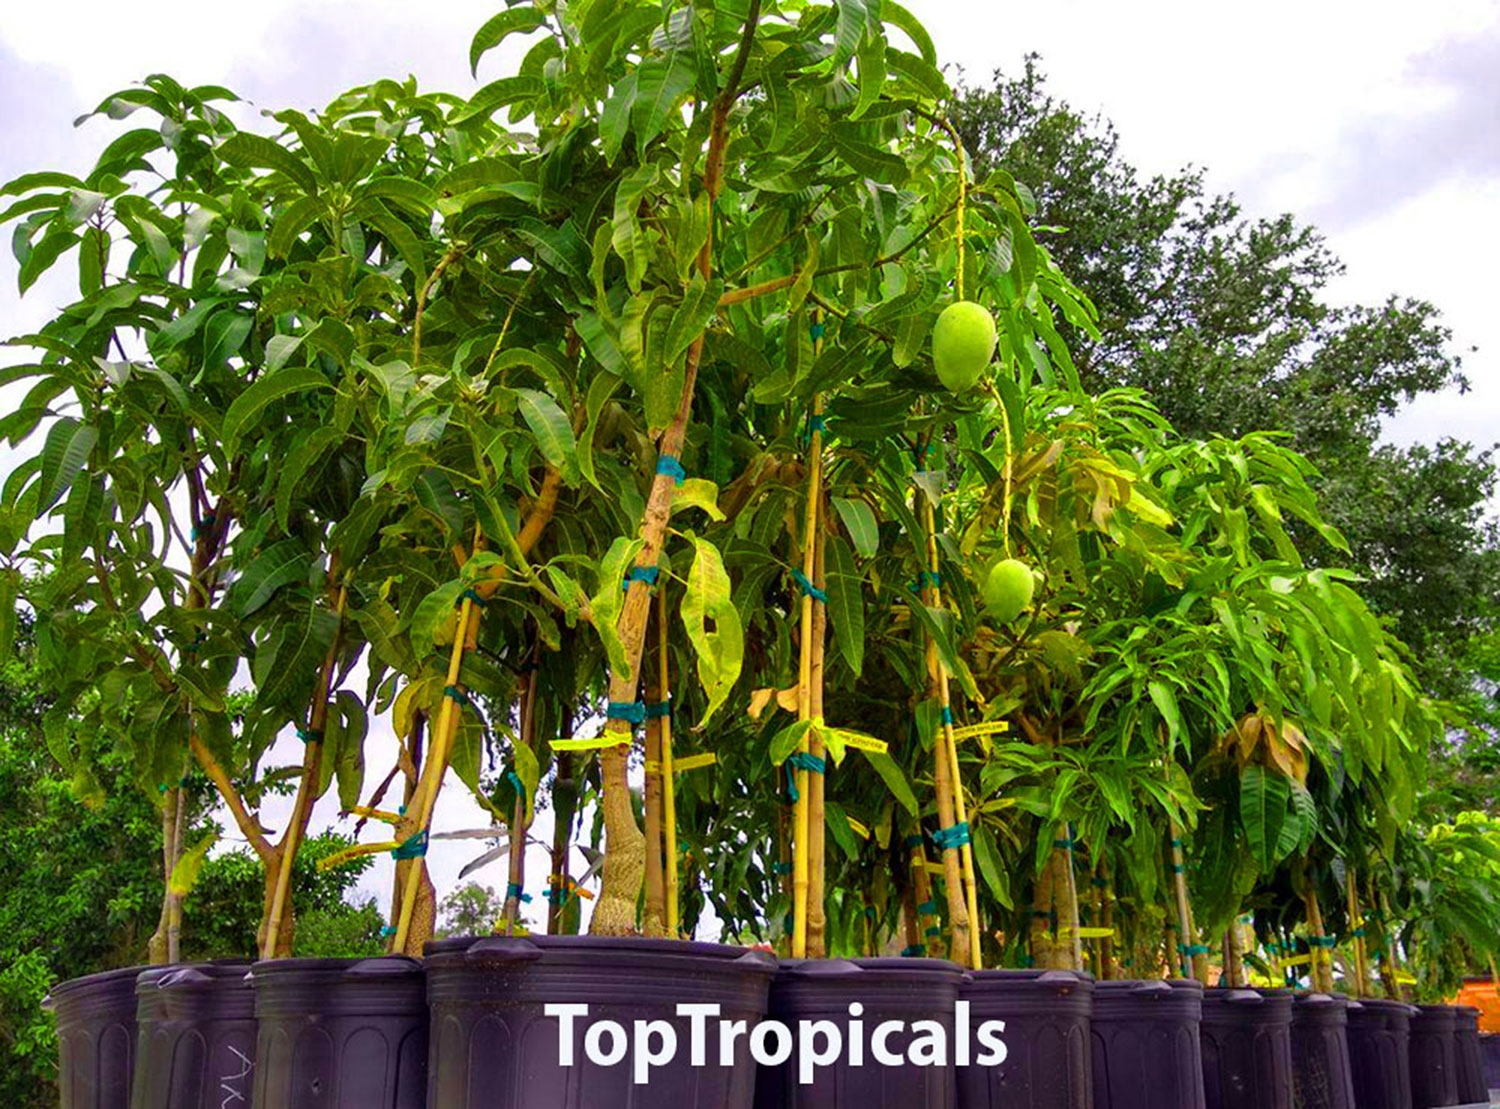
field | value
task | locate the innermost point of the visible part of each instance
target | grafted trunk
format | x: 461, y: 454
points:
x: 654, y: 918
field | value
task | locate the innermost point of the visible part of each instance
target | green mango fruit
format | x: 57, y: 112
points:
x: 1008, y: 589
x: 963, y: 344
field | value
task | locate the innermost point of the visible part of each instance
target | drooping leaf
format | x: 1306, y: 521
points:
x: 720, y: 648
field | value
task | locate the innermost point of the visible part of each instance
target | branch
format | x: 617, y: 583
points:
x: 248, y: 825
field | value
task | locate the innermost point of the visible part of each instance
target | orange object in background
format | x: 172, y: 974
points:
x: 1481, y: 993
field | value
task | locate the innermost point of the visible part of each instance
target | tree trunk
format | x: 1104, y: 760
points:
x: 654, y: 919
x: 1321, y: 964
x: 562, y: 902
x: 519, y: 825
x: 625, y: 845
x: 1067, y: 952
x: 1041, y: 918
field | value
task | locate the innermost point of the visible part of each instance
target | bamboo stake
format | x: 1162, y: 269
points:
x: 432, y: 772
x: 801, y: 846
x: 312, y: 757
x: 654, y: 912
x: 1321, y: 962
x: 817, y: 913
x: 1188, y: 939
x: 519, y: 826
x: 668, y: 774
x: 1389, y: 967
x: 1357, y: 927
x: 930, y: 931
x: 967, y: 950
x: 564, y: 806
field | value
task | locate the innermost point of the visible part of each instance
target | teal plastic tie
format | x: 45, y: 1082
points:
x: 414, y: 848
x: 453, y: 693
x: 781, y: 868
x: 388, y: 930
x: 1322, y: 941
x: 515, y: 780
x: 817, y: 331
x: 916, y: 951
x: 801, y: 760
x: 955, y: 836
x: 206, y: 524
x: 1191, y: 950
x: 670, y: 466
x: 928, y: 908
x: 806, y: 760
x: 933, y: 931
x: 647, y: 574
x: 658, y: 710
x: 947, y: 715
x: 309, y: 735
x: 633, y: 712
x: 807, y: 588
x: 914, y: 841
x: 515, y: 891
x: 470, y: 595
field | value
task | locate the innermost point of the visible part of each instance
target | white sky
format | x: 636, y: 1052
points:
x: 1378, y: 121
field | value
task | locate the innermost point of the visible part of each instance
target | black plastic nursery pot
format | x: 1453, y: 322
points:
x: 1047, y: 1063
x: 1146, y: 1051
x: 1489, y: 1055
x: 336, y: 1033
x: 1380, y: 1053
x: 95, y: 1038
x: 1321, y: 1074
x: 916, y: 997
x: 195, y: 1044
x: 1472, y: 1088
x: 493, y: 1046
x: 1434, y: 1068
x: 1247, y: 1049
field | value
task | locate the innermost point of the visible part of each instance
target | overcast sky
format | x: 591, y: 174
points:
x: 1378, y: 121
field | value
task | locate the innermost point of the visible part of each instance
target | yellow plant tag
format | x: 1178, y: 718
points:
x: 988, y: 728
x: 598, y: 742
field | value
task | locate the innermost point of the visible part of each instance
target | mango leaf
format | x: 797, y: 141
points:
x: 660, y: 83
x: 67, y: 448
x: 190, y: 865
x: 433, y: 623
x: 514, y: 21
x: 253, y: 401
x: 720, y: 649
x: 257, y: 152
x: 859, y: 521
x: 894, y: 778
x: 846, y: 603
x: 788, y: 740
x: 278, y: 565
x: 606, y: 604
x: 530, y: 773
x: 350, y: 757
x: 309, y: 449
x: 697, y: 492
x: 1264, y: 795
x: 854, y: 21
x: 554, y: 434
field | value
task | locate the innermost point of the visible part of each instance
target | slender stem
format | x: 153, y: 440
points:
x: 519, y: 826
x: 1357, y: 927
x: 302, y: 807
x: 433, y: 769
x: 668, y: 773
